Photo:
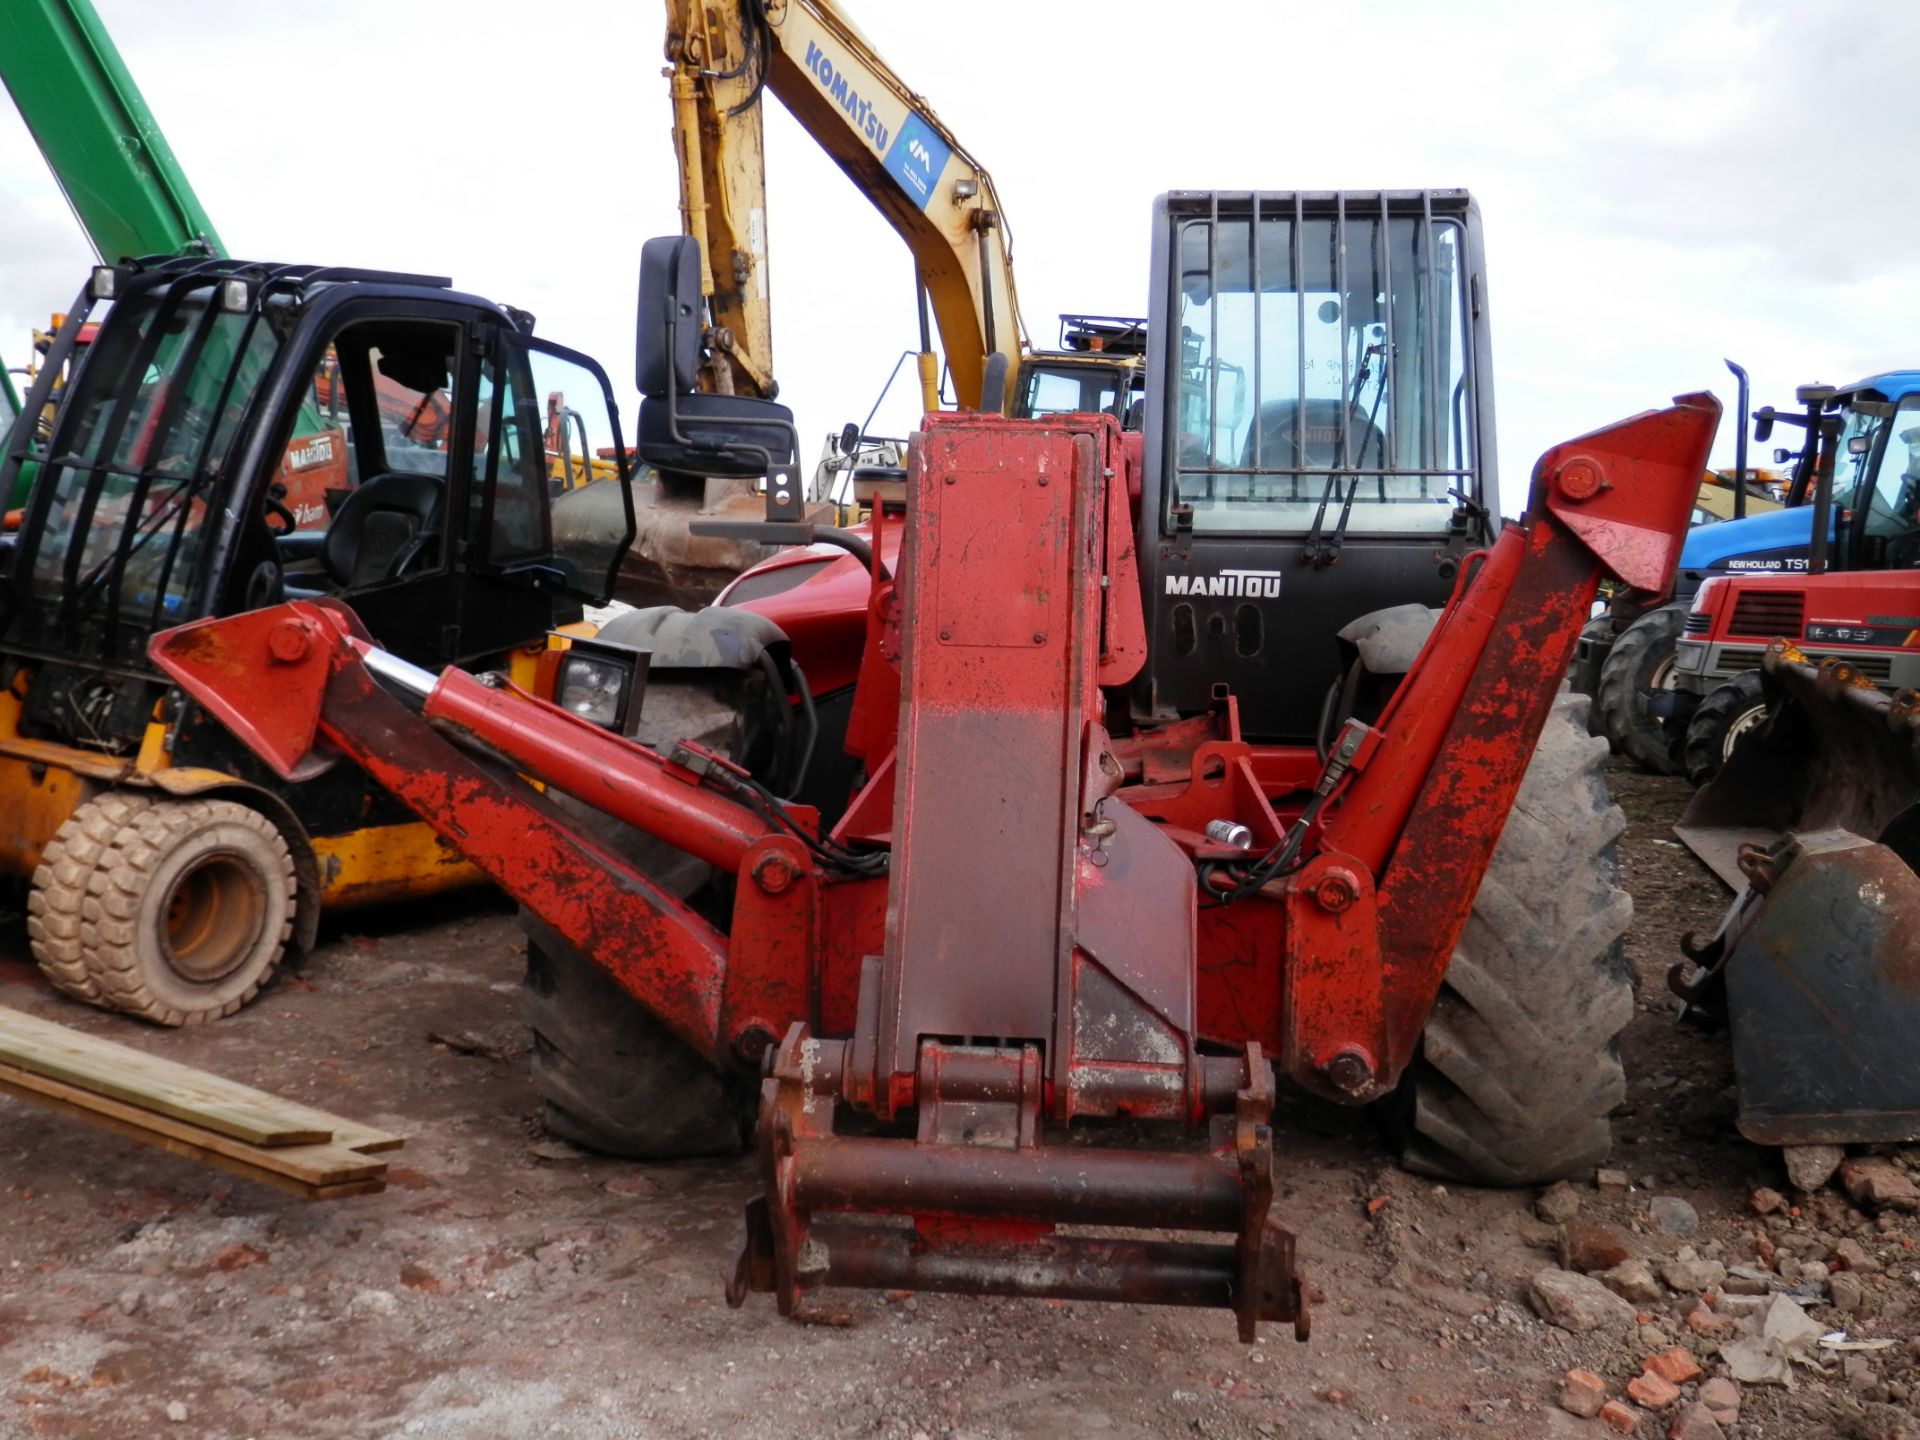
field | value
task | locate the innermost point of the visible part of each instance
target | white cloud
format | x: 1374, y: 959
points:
x: 1662, y: 186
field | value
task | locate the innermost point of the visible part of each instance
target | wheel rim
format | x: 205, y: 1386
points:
x: 212, y: 918
x: 1662, y: 675
x: 1743, y: 722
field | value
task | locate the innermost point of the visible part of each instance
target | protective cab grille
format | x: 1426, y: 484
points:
x: 1768, y: 613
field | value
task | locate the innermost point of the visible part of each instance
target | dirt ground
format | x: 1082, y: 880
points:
x: 507, y: 1287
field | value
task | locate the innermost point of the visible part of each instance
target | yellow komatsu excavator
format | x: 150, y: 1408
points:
x: 724, y: 59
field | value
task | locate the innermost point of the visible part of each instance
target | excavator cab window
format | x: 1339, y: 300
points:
x: 1078, y: 388
x: 1323, y: 357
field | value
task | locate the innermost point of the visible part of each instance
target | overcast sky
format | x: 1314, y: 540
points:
x: 1662, y: 184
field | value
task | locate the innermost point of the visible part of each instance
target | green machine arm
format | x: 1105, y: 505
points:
x: 102, y: 143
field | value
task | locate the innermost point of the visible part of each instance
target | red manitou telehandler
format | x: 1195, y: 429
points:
x: 1073, y: 839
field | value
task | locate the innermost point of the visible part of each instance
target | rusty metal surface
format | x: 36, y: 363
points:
x: 1043, y: 954
x: 1425, y: 814
x: 1074, y: 1185
x: 1834, y: 753
x: 980, y: 1219
x: 996, y: 687
x: 1823, y: 995
x: 668, y: 564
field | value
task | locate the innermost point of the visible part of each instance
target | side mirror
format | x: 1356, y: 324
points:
x: 1763, y: 424
x: 849, y: 438
x: 667, y: 328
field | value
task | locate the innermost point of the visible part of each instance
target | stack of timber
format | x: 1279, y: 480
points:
x: 190, y: 1112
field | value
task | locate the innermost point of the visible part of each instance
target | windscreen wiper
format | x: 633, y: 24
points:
x: 1331, y: 555
x: 1311, y: 555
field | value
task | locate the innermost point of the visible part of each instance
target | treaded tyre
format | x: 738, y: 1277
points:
x: 1641, y: 660
x: 187, y: 911
x: 612, y: 1078
x: 1583, y: 676
x: 1520, y: 1067
x: 1728, y: 713
x: 59, y: 889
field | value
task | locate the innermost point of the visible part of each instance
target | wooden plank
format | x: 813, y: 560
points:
x: 140, y: 1128
x: 325, y: 1164
x: 348, y: 1133
x: 162, y: 1086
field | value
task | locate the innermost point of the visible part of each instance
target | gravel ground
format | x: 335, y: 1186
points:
x: 505, y: 1286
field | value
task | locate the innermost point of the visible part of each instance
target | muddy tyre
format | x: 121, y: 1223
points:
x: 58, y: 893
x: 1583, y: 676
x: 1519, y: 1067
x: 1641, y: 660
x: 1727, y: 714
x: 612, y: 1078
x: 186, y: 909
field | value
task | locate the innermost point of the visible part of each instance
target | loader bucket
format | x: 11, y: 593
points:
x: 1823, y: 995
x: 1817, y: 967
x: 1835, y: 753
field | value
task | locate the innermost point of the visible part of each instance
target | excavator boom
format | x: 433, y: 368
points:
x: 884, y: 136
x: 97, y: 134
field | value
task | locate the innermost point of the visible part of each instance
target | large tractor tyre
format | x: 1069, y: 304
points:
x: 1583, y: 676
x: 1520, y: 1067
x: 612, y: 1078
x: 1642, y: 660
x: 58, y: 893
x: 187, y: 909
x: 1728, y: 713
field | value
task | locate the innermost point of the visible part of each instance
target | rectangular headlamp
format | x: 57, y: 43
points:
x: 602, y: 682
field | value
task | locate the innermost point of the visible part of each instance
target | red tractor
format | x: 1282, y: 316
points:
x: 1050, y: 801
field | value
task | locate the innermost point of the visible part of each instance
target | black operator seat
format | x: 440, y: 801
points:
x: 683, y: 430
x: 384, y: 526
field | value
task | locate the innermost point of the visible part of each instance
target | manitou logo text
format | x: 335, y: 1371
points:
x: 1228, y: 585
x: 317, y: 451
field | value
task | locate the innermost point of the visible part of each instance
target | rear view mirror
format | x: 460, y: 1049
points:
x: 1763, y: 424
x: 849, y: 438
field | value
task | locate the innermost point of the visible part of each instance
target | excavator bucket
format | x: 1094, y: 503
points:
x: 1815, y: 969
x: 1835, y: 753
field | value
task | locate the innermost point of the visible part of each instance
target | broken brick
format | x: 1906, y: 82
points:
x: 1874, y: 1183
x: 1583, y: 1394
x: 1702, y: 1321
x: 1588, y: 1248
x: 1675, y: 1366
x: 1623, y: 1418
x: 1653, y: 1391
